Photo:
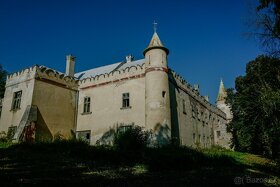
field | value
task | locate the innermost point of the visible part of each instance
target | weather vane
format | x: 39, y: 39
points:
x: 155, y: 26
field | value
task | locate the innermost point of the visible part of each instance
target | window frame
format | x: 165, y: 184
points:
x: 126, y: 100
x: 87, y: 105
x: 184, y: 107
x: 16, y: 100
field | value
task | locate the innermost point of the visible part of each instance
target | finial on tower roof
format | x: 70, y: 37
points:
x: 155, y: 26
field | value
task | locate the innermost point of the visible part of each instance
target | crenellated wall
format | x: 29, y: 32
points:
x: 53, y: 93
x: 106, y: 112
x: 194, y: 120
x: 113, y: 77
x: 19, y: 81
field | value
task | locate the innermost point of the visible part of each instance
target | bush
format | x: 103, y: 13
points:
x: 134, y: 138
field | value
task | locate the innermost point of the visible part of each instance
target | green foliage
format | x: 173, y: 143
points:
x: 256, y: 108
x: 134, y: 138
x: 3, y: 75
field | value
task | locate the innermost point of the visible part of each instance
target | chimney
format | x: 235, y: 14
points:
x: 129, y: 58
x: 196, y: 87
x: 70, y: 65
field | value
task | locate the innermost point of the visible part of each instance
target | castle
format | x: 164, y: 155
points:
x: 41, y: 103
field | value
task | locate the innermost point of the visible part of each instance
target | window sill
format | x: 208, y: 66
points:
x: 129, y: 107
x: 14, y: 110
x: 86, y: 113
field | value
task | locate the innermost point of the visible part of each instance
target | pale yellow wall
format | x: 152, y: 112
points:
x: 106, y: 104
x: 20, y: 81
x: 56, y: 109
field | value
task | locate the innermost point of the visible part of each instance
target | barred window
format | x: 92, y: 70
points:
x: 125, y: 100
x: 16, y: 100
x: 87, y: 105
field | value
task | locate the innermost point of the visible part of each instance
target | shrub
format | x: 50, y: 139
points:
x: 134, y: 138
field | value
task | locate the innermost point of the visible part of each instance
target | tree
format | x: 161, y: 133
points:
x: 268, y: 26
x: 3, y: 75
x: 132, y: 139
x: 256, y: 108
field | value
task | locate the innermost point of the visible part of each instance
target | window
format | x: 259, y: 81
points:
x: 193, y: 137
x: 184, y: 107
x: 1, y: 106
x: 199, y: 140
x: 83, y: 135
x: 163, y: 94
x: 11, y: 132
x: 204, y: 143
x: 16, y: 100
x: 124, y: 128
x: 125, y: 100
x: 193, y: 111
x: 218, y: 134
x: 87, y: 105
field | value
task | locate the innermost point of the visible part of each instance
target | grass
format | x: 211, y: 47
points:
x: 76, y: 163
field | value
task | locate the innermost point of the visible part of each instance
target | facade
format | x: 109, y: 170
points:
x: 41, y: 103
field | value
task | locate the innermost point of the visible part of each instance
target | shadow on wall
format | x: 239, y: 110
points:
x: 174, y: 113
x: 161, y: 135
x: 107, y: 138
x: 43, y: 133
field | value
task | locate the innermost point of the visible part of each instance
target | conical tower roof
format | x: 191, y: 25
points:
x: 155, y: 43
x: 222, y: 92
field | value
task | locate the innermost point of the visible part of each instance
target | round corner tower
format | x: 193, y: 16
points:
x: 157, y: 98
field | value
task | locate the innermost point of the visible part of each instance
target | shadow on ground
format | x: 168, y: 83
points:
x: 76, y: 163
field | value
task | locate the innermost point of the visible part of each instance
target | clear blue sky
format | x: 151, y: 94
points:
x: 205, y: 38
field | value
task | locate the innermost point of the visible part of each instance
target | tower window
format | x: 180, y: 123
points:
x: 125, y: 100
x: 16, y: 100
x: 163, y: 94
x: 87, y: 105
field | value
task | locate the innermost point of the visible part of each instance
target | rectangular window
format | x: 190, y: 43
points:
x: 123, y: 128
x: 184, y: 107
x: 1, y: 106
x: 163, y: 94
x: 87, y: 105
x: 11, y: 132
x: 193, y: 137
x: 218, y: 134
x: 16, y: 100
x: 125, y: 100
x: 199, y: 140
x: 193, y: 111
x: 83, y: 135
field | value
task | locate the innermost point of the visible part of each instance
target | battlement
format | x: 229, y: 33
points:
x: 114, y: 76
x: 41, y: 73
x: 22, y: 72
x: 179, y: 81
x: 47, y: 74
